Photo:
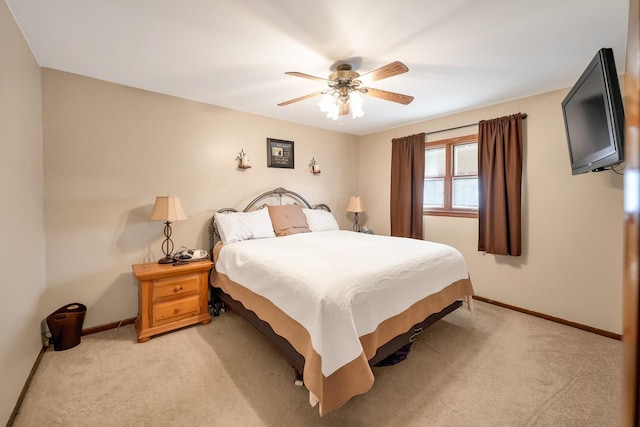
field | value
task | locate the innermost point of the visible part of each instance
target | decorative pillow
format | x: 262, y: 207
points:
x: 288, y: 219
x: 238, y: 226
x: 320, y: 220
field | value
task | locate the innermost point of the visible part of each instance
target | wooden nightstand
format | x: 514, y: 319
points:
x: 171, y: 297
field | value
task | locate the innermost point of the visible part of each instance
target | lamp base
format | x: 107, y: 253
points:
x: 166, y: 260
x: 356, y: 224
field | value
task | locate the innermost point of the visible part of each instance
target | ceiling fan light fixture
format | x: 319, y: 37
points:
x: 345, y: 87
x: 334, y: 112
x: 356, y: 102
x: 334, y: 101
x: 329, y: 104
x: 325, y: 102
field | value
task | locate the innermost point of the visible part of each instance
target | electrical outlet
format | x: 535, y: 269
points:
x: 46, y: 340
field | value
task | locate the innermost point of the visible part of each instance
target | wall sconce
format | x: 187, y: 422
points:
x: 315, y: 167
x: 243, y: 160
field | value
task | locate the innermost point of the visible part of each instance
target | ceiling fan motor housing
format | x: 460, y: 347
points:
x: 344, y: 75
x: 344, y: 78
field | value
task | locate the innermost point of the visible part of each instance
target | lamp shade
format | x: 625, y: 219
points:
x: 356, y: 204
x: 167, y: 208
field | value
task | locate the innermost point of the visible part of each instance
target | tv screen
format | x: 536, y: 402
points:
x: 594, y: 117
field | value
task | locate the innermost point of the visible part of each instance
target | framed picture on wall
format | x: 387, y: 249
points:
x: 279, y: 153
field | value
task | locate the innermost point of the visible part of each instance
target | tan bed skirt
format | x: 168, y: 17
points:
x: 356, y: 377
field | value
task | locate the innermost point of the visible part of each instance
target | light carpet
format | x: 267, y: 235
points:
x: 492, y: 367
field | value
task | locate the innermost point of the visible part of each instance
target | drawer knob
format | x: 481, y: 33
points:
x: 176, y: 310
x: 177, y: 288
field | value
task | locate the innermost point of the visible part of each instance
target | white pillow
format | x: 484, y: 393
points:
x: 320, y: 220
x: 238, y: 226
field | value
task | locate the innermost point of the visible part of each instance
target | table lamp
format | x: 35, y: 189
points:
x: 167, y: 209
x: 356, y: 205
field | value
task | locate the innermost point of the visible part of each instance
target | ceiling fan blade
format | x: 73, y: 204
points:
x: 302, y: 98
x: 384, y: 72
x: 389, y: 96
x: 344, y: 109
x: 305, y: 76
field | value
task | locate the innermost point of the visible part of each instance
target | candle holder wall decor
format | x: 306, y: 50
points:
x: 315, y: 167
x: 243, y: 160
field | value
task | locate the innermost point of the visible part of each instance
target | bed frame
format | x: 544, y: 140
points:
x: 220, y: 300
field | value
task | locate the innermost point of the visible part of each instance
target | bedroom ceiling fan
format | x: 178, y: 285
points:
x: 345, y: 87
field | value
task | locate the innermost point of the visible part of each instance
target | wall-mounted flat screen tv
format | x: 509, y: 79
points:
x: 594, y: 117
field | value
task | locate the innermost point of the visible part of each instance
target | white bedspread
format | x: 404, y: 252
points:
x: 341, y: 285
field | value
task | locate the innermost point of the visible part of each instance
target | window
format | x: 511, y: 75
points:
x: 451, y: 177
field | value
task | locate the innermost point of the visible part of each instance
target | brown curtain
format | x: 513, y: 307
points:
x: 407, y: 184
x: 500, y: 183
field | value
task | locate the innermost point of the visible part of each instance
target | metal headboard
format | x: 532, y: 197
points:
x: 214, y: 236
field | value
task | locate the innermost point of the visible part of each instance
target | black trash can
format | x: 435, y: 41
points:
x: 65, y: 325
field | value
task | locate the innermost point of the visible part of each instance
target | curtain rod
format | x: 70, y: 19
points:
x: 524, y: 116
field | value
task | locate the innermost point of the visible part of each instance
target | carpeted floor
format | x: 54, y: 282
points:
x: 492, y: 367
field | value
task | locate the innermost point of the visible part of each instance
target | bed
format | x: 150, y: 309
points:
x: 333, y: 302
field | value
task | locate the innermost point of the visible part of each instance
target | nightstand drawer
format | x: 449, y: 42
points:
x: 175, y: 286
x: 175, y: 310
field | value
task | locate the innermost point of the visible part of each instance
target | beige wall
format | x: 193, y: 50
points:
x: 110, y: 149
x: 571, y: 265
x: 22, y: 269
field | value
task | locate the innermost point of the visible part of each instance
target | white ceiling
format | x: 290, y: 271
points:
x: 461, y: 54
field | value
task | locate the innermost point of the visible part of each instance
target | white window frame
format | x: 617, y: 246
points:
x: 448, y: 209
